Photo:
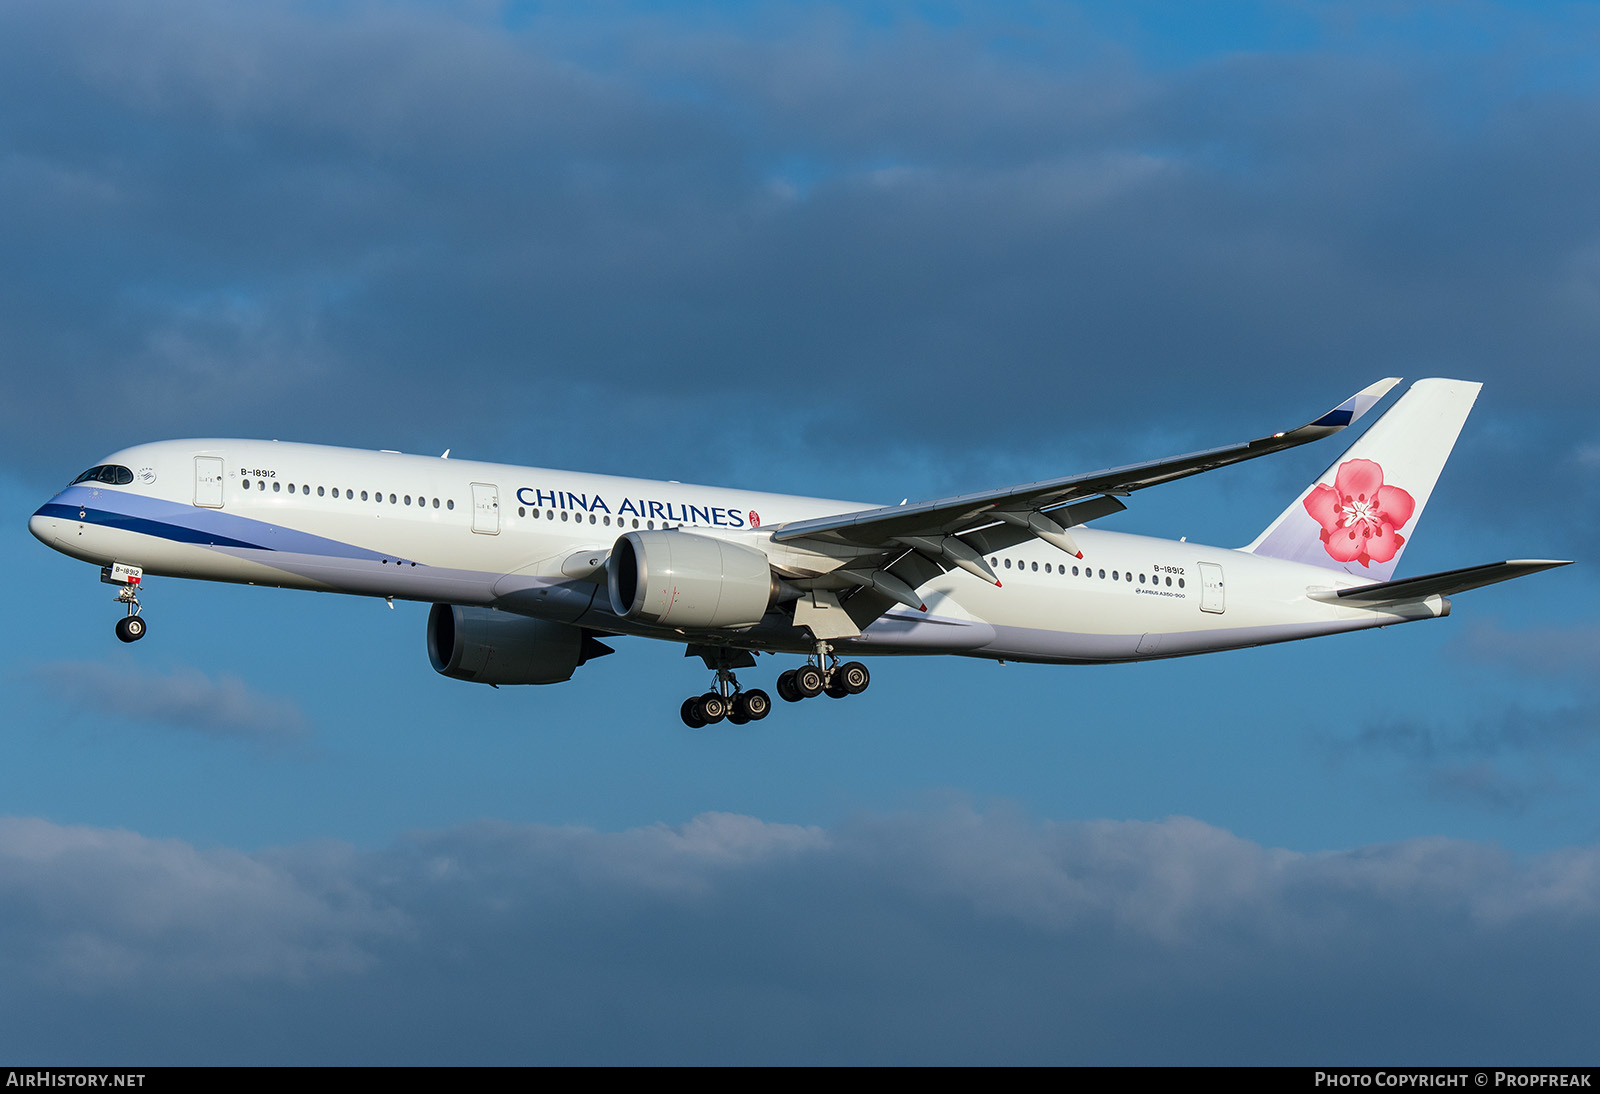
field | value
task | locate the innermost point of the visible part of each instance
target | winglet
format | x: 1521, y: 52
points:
x: 1352, y: 408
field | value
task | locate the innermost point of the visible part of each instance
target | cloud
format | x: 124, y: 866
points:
x: 92, y: 910
x: 1514, y: 730
x: 185, y: 698
x: 940, y: 935
x: 262, y: 215
x: 1571, y: 651
x: 1515, y: 760
x: 1531, y: 755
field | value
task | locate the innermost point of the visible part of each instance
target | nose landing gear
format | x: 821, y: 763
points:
x: 131, y: 627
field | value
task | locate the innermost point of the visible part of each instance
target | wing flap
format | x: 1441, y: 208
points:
x: 1000, y: 537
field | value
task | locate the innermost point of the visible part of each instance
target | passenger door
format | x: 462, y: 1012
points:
x: 208, y: 481
x: 1211, y: 598
x: 486, y: 508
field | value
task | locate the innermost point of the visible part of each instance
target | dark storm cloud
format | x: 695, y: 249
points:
x: 1535, y: 755
x: 185, y: 698
x: 1568, y: 729
x: 942, y: 935
x: 390, y: 224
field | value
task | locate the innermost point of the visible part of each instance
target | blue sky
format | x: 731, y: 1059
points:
x: 871, y: 251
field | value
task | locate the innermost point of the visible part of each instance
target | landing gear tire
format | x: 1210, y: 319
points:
x: 754, y: 705
x: 855, y: 677
x: 712, y: 707
x: 691, y: 716
x: 130, y: 628
x: 786, y: 689
x: 736, y: 717
x: 835, y: 687
x: 808, y: 681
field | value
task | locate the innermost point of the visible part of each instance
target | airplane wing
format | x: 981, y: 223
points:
x: 1444, y: 583
x: 958, y: 531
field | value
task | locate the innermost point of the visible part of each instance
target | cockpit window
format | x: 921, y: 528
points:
x: 113, y: 473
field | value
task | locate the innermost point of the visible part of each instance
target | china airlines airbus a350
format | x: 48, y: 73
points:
x: 528, y: 568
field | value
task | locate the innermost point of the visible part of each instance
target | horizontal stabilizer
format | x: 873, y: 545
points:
x: 1445, y: 583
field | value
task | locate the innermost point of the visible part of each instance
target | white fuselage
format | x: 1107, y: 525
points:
x: 533, y: 541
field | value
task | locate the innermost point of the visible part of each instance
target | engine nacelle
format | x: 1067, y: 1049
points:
x: 678, y: 579
x: 491, y: 647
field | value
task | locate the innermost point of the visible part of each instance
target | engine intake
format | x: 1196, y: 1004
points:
x: 678, y: 579
x: 493, y: 647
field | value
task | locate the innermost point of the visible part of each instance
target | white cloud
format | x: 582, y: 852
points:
x: 186, y: 698
x: 90, y: 910
x: 941, y: 935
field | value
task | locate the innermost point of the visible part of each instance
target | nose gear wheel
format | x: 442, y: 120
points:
x: 131, y: 627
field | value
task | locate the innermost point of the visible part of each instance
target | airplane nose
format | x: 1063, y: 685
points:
x: 43, y: 528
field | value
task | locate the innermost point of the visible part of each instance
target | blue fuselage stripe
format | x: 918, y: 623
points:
x: 160, y: 529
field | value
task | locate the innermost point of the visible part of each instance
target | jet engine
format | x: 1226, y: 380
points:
x: 678, y: 579
x: 494, y: 647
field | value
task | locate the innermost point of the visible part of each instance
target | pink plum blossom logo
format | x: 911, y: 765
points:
x: 1361, y: 516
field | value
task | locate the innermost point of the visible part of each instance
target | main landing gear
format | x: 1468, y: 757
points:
x: 725, y: 699
x: 699, y: 711
x: 131, y: 627
x: 823, y: 673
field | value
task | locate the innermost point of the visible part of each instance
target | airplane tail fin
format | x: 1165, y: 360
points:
x: 1359, y: 514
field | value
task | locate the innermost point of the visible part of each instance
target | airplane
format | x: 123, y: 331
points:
x: 527, y: 569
